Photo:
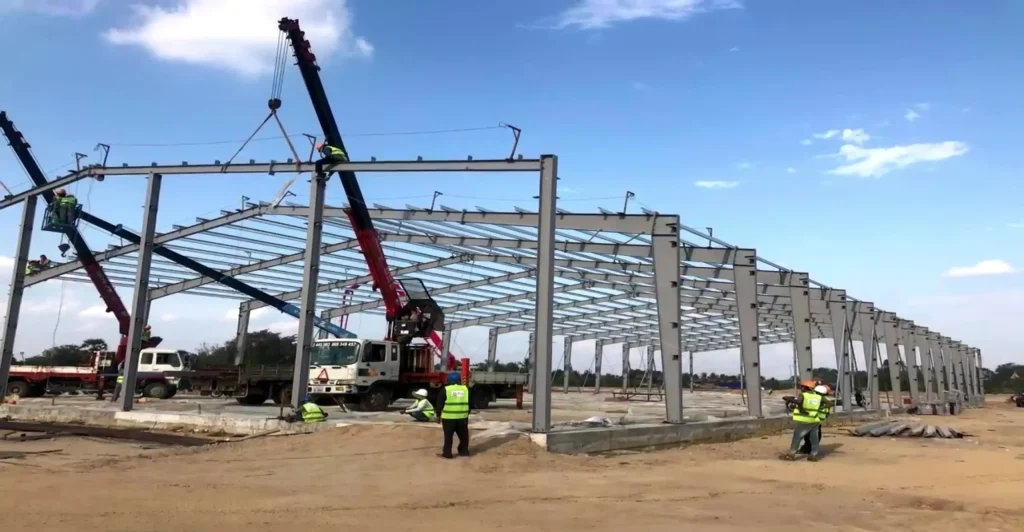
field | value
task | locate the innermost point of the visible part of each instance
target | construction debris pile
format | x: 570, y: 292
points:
x: 905, y: 428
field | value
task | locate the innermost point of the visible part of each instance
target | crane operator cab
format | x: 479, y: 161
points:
x: 419, y: 317
x: 62, y: 213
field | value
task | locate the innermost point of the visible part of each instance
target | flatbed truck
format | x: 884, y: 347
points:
x: 100, y: 375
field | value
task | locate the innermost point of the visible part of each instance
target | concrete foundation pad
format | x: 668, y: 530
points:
x: 599, y: 440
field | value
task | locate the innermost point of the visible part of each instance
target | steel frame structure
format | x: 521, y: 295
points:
x: 639, y: 280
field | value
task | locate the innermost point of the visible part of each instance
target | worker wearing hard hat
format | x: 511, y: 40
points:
x: 311, y: 412
x: 823, y: 413
x: 806, y: 410
x: 64, y: 208
x: 453, y: 406
x: 422, y: 410
x: 330, y: 155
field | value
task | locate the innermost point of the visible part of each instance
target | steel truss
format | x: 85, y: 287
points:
x: 640, y: 280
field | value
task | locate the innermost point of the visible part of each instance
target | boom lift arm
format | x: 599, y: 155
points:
x: 92, y: 268
x: 418, y: 317
x: 99, y: 277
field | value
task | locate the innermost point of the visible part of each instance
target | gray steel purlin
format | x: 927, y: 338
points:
x: 17, y: 290
x: 140, y: 296
x: 310, y: 279
x: 665, y: 244
x: 495, y: 165
x: 801, y: 310
x: 544, y: 312
x: 746, y: 303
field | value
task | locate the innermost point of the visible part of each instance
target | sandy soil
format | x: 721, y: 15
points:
x: 390, y: 479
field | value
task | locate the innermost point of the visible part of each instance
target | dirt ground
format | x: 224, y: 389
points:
x: 389, y: 478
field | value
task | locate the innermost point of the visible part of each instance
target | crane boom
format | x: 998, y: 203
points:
x: 421, y: 316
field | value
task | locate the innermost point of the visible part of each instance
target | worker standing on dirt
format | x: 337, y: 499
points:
x: 805, y: 413
x: 119, y: 383
x: 422, y: 410
x: 823, y: 413
x: 64, y: 211
x: 331, y: 155
x: 453, y: 405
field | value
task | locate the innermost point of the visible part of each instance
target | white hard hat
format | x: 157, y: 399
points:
x: 821, y: 389
x: 419, y: 393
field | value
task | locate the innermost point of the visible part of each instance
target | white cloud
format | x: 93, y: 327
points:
x: 856, y: 136
x: 827, y: 135
x: 1014, y: 225
x: 232, y: 314
x: 716, y: 184
x: 806, y: 142
x: 924, y: 106
x: 169, y: 317
x: 911, y: 115
x: 744, y: 166
x: 876, y: 162
x: 95, y: 311
x: 594, y: 14
x: 734, y: 49
x: 790, y: 170
x: 50, y: 7
x: 985, y: 267
x: 238, y: 35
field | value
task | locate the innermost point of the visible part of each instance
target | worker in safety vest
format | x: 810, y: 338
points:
x: 147, y: 333
x: 64, y: 210
x: 422, y: 410
x: 311, y: 412
x: 823, y: 413
x: 331, y: 155
x: 453, y: 405
x: 35, y: 266
x: 119, y: 383
x: 806, y: 411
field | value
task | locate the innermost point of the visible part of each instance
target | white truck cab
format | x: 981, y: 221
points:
x: 343, y: 366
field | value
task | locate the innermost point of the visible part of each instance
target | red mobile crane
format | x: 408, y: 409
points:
x: 410, y: 311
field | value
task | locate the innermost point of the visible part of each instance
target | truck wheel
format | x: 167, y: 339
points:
x: 19, y: 388
x: 376, y: 400
x: 253, y: 398
x: 283, y: 396
x: 480, y: 398
x: 156, y: 390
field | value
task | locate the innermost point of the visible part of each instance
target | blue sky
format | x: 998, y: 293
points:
x: 863, y: 141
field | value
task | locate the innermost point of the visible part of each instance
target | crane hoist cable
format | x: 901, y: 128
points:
x: 274, y: 103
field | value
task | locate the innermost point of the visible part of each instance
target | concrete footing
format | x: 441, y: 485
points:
x: 600, y: 440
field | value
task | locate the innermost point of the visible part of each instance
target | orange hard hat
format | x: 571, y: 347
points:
x: 807, y: 383
x: 319, y: 145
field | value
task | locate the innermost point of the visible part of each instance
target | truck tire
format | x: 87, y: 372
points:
x: 480, y: 398
x: 377, y: 399
x: 283, y: 396
x: 156, y: 390
x: 19, y: 388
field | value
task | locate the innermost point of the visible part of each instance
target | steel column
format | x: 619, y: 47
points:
x: 241, y: 334
x: 846, y: 373
x: 492, y: 348
x: 867, y: 333
x: 651, y: 368
x: 799, y: 295
x: 446, y: 347
x: 625, y: 367
x: 892, y: 354
x: 545, y: 293
x: 665, y: 249
x: 14, y: 296
x: 981, y: 375
x: 598, y: 358
x: 909, y: 342
x: 321, y: 334
x: 566, y: 363
x: 745, y: 269
x: 921, y: 335
x: 141, y: 295
x: 836, y: 305
x: 310, y: 278
x: 967, y: 394
x: 530, y: 360
x: 692, y: 378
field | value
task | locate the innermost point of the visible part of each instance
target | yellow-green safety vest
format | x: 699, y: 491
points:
x: 428, y: 410
x: 456, y: 402
x: 823, y: 412
x: 120, y: 379
x: 334, y: 153
x: 68, y: 200
x: 312, y: 413
x: 808, y: 411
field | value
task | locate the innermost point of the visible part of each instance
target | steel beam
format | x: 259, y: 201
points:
x: 745, y: 268
x: 492, y: 349
x: 498, y: 165
x: 141, y: 292
x: 14, y: 296
x: 310, y: 279
x: 545, y: 294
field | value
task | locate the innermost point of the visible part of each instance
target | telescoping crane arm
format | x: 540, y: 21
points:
x: 99, y: 277
x: 420, y: 316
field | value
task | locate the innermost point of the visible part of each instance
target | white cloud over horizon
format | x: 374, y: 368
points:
x: 238, y: 35
x: 855, y: 136
x: 876, y: 162
x: 716, y: 184
x: 598, y: 14
x: 985, y: 267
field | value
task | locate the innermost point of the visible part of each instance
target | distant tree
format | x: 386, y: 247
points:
x: 61, y: 355
x: 94, y: 344
x: 261, y: 347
